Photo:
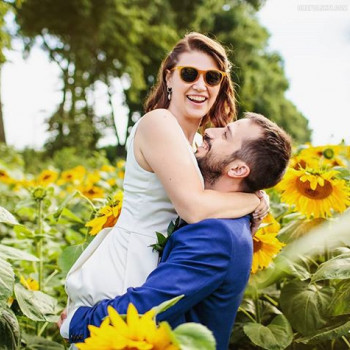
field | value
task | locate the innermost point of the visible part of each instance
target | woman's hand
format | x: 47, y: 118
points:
x: 263, y: 208
x: 254, y: 225
x: 63, y: 316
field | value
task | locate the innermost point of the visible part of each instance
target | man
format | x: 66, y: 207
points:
x: 208, y: 262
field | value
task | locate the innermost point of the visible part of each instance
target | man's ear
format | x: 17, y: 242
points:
x: 238, y: 169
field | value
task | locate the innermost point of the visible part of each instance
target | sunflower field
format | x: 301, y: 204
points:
x: 298, y: 295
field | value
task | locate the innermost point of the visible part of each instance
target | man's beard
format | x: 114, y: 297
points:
x: 210, y: 167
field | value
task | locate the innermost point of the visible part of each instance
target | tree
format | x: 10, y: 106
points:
x: 100, y: 40
x: 4, y: 43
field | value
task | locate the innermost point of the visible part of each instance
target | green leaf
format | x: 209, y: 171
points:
x: 276, y: 336
x: 70, y: 255
x: 59, y: 211
x: 305, y: 305
x: 340, y: 303
x: 161, y: 238
x: 194, y: 336
x: 15, y: 254
x: 22, y: 231
x: 166, y: 304
x: 38, y: 343
x: 7, y: 280
x: 336, y: 268
x: 296, y: 269
x: 9, y: 330
x: 6, y: 217
x: 36, y: 305
x: 328, y: 333
x: 71, y: 216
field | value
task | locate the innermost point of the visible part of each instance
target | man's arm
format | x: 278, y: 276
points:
x: 197, y: 257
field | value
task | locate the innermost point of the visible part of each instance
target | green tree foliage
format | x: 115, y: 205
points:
x: 100, y: 40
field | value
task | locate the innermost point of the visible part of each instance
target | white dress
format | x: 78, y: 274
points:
x: 121, y: 257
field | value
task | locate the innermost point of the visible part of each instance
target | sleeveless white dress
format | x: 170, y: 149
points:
x: 121, y: 257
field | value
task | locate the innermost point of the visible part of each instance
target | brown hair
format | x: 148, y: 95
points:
x: 267, y: 156
x: 223, y: 110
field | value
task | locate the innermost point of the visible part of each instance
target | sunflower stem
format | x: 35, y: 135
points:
x: 247, y: 314
x: 39, y: 244
x: 272, y: 301
x: 346, y: 341
x: 257, y: 306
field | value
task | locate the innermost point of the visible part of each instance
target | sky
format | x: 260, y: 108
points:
x: 312, y: 36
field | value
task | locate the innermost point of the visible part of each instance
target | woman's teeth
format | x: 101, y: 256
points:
x: 197, y: 98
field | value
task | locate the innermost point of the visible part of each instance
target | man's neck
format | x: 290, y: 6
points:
x: 224, y: 184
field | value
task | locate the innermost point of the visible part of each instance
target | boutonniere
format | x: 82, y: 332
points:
x: 162, y: 239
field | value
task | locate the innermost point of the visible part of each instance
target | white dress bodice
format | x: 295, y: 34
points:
x: 121, y: 257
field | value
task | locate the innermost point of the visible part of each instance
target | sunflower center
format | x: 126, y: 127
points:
x: 320, y: 192
x: 257, y: 245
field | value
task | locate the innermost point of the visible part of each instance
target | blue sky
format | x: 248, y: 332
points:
x: 312, y: 36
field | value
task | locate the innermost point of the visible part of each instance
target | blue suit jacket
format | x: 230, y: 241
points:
x: 209, y: 262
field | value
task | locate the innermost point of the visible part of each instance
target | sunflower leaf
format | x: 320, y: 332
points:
x: 6, y: 217
x: 336, y: 268
x: 328, y: 333
x: 167, y: 304
x: 36, y: 305
x: 305, y: 305
x: 194, y: 336
x: 340, y: 303
x: 276, y: 336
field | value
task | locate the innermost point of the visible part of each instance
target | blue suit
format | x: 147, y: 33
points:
x: 209, y: 262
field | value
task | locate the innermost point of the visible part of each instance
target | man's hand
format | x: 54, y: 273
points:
x: 63, y: 316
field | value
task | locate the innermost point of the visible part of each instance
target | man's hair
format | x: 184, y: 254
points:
x: 267, y: 156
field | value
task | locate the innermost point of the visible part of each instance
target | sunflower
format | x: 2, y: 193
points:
x: 108, y: 215
x: 315, y: 192
x: 47, y: 177
x: 327, y: 155
x: 72, y: 175
x: 29, y: 283
x: 108, y: 168
x: 265, y: 244
x: 91, y: 191
x: 5, y: 177
x: 137, y: 332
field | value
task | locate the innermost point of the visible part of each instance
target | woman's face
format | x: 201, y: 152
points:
x: 192, y: 100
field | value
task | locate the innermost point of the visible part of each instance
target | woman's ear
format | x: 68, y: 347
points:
x: 238, y: 169
x: 168, y: 77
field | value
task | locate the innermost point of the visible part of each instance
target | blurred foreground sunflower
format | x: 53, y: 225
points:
x: 137, y: 332
x: 265, y: 244
x: 315, y: 192
x: 108, y: 215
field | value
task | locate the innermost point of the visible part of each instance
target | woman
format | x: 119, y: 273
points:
x: 162, y: 179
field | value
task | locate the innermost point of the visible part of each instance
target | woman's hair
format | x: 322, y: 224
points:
x: 223, y: 110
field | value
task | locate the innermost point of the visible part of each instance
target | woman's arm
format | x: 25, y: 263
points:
x: 161, y: 147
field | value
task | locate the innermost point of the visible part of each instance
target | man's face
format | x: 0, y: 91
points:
x: 220, y: 143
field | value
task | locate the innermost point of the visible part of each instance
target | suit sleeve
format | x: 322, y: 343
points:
x: 197, y: 257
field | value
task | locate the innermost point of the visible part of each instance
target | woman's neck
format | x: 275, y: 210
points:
x: 188, y: 125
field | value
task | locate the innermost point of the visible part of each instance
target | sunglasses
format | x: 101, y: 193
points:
x: 212, y: 77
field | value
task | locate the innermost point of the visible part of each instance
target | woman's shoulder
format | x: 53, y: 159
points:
x: 158, y: 114
x: 158, y: 119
